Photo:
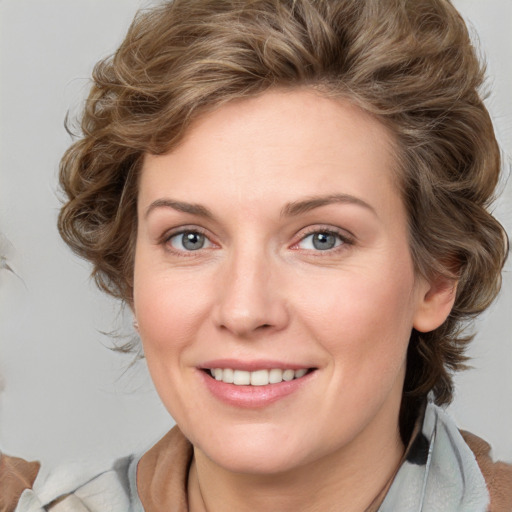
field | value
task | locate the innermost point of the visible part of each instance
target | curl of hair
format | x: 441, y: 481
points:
x: 409, y: 63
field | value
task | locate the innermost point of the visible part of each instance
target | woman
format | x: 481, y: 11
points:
x: 293, y: 199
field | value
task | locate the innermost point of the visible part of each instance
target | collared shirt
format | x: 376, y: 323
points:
x: 439, y: 473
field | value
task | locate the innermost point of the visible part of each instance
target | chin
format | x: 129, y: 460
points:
x: 257, y: 461
x: 259, y: 450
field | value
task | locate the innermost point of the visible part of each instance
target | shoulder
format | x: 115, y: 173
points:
x: 440, y: 470
x: 158, y: 476
x: 497, y: 475
x: 162, y: 473
x: 84, y: 488
x: 16, y: 475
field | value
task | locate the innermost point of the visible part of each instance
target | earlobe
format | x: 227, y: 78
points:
x: 435, y: 303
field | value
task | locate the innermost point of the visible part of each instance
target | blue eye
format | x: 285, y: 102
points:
x: 321, y: 241
x: 189, y: 241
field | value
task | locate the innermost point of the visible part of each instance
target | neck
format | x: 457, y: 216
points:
x: 351, y: 479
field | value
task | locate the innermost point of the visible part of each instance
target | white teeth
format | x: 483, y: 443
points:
x: 275, y: 376
x: 257, y: 377
x: 228, y: 375
x: 241, y: 378
x: 288, y: 375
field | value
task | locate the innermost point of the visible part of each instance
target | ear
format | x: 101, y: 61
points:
x: 435, y: 302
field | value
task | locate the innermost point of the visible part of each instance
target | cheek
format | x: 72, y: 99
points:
x: 168, y: 312
x: 168, y: 309
x: 364, y: 320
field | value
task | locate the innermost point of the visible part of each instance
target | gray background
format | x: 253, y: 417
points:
x: 65, y: 396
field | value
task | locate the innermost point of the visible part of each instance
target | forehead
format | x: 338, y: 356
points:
x: 280, y: 143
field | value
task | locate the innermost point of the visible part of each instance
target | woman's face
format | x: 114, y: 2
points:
x: 272, y: 244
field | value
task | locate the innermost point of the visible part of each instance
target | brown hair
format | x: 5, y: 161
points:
x: 410, y: 63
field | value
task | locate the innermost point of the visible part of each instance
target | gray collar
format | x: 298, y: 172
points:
x: 440, y: 473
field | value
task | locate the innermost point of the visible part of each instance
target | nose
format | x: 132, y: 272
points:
x: 250, y: 298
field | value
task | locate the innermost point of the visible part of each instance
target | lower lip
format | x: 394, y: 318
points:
x: 253, y: 397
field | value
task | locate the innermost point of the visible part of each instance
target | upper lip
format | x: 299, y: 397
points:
x: 249, y: 366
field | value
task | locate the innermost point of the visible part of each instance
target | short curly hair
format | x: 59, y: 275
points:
x: 409, y: 63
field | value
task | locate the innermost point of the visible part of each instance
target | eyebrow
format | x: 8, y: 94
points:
x: 181, y: 206
x: 306, y: 205
x: 289, y: 210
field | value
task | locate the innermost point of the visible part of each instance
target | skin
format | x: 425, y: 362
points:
x: 259, y: 289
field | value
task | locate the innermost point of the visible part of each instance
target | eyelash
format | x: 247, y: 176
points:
x: 343, y: 237
x: 167, y: 237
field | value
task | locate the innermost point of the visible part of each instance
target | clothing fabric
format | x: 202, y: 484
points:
x: 439, y: 473
x: 16, y: 475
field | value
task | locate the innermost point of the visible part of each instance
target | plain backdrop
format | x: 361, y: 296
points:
x: 64, y: 394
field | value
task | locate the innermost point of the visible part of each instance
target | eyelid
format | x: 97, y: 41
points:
x: 171, y: 233
x: 345, y: 236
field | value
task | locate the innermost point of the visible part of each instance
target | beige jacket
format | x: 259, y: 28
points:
x: 172, y: 456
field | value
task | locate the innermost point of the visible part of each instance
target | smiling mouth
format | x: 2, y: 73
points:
x: 257, y: 377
